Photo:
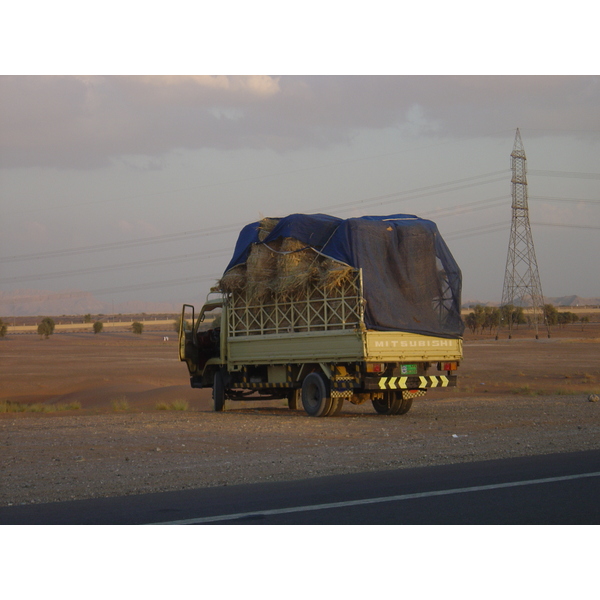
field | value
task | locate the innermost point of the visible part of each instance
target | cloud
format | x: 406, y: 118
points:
x: 86, y: 122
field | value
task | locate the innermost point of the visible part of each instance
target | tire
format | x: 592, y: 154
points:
x: 218, y: 392
x: 405, y: 405
x: 390, y: 404
x: 294, y: 399
x: 316, y: 395
x: 336, y: 406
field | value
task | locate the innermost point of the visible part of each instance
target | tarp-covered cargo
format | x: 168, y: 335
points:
x: 411, y: 281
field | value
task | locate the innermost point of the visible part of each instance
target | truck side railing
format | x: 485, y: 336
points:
x: 318, y: 308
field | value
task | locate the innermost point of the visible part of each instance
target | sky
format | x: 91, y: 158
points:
x: 134, y: 187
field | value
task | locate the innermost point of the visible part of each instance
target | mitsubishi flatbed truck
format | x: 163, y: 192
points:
x: 387, y: 330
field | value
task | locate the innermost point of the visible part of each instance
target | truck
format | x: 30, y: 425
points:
x: 318, y: 310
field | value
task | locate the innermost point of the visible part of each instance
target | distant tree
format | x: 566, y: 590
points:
x: 479, y: 312
x: 506, y: 314
x: 518, y: 316
x: 87, y: 318
x: 137, y: 327
x: 98, y: 326
x: 492, y: 317
x: 46, y: 327
x: 551, y: 314
x: 3, y: 329
x: 471, y: 322
x: 583, y: 321
x: 483, y: 317
x: 565, y: 318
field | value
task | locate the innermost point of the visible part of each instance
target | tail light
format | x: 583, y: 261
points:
x: 447, y: 366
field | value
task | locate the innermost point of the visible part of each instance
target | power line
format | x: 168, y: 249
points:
x: 567, y: 225
x: 245, y: 179
x: 495, y: 227
x: 479, y: 230
x: 158, y: 239
x: 575, y: 200
x: 572, y: 174
x: 116, y: 290
x: 460, y: 209
x: 384, y: 199
x: 121, y: 266
x: 418, y: 192
x: 450, y: 211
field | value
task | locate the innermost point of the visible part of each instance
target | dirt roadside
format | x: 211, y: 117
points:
x: 517, y: 397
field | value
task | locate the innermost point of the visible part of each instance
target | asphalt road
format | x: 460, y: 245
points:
x: 550, y: 489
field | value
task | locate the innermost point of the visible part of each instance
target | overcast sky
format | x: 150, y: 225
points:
x: 136, y: 187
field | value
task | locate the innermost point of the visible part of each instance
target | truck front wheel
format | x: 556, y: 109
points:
x: 294, y: 399
x: 218, y: 392
x: 316, y: 395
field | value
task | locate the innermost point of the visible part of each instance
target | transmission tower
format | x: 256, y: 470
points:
x: 522, y: 285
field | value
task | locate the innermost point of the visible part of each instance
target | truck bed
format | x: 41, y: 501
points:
x: 341, y: 346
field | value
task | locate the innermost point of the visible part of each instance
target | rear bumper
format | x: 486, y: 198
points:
x: 410, y: 383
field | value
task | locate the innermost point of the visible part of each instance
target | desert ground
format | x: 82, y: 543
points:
x: 120, y: 417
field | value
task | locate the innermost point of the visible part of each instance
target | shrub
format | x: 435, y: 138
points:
x: 175, y: 405
x: 46, y: 327
x: 137, y: 327
x: 98, y: 326
x: 120, y: 403
x: 3, y: 329
x: 6, y: 406
x: 70, y: 406
x: 180, y: 405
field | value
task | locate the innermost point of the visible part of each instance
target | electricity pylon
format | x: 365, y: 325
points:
x: 522, y: 285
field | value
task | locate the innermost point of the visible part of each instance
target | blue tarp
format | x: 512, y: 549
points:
x: 411, y: 281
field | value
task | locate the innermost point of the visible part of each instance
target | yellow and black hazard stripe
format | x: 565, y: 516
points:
x: 343, y: 381
x: 411, y: 383
x: 261, y: 385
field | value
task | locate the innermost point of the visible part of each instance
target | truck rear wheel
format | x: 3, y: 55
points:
x: 316, y: 395
x: 390, y: 404
x: 218, y: 392
x: 404, y: 406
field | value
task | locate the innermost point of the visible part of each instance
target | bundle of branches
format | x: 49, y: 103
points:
x: 333, y: 275
x: 254, y: 276
x: 234, y: 281
x: 261, y: 271
x: 265, y: 226
x: 297, y: 266
x: 284, y: 268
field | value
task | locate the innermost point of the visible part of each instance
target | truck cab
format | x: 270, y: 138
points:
x: 202, y: 341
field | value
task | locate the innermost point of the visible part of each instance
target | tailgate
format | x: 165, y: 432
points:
x: 397, y: 346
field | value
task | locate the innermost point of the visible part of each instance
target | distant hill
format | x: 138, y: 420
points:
x: 557, y: 301
x: 574, y: 301
x: 29, y: 303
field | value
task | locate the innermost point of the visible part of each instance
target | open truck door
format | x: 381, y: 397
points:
x: 187, y: 346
